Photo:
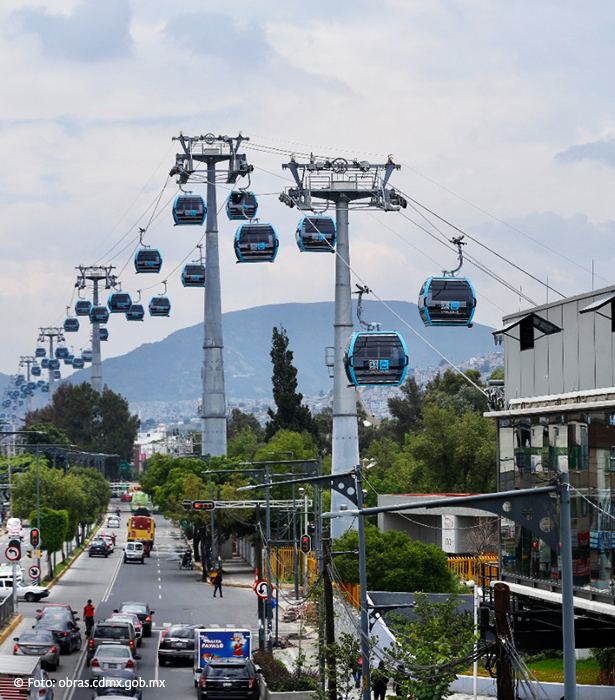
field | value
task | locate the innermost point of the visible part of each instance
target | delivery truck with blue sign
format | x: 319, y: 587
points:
x: 221, y: 643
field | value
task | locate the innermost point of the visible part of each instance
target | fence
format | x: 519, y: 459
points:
x: 6, y: 610
x: 471, y: 568
x: 282, y: 563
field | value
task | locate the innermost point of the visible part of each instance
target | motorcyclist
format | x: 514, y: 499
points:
x: 187, y: 559
x: 118, y: 511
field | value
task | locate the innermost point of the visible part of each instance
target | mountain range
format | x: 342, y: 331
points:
x: 170, y: 370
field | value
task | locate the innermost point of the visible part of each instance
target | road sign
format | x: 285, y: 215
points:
x: 34, y: 572
x: 260, y: 589
x: 35, y: 537
x: 203, y: 505
x: 12, y: 553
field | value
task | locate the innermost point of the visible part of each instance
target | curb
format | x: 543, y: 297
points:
x: 10, y: 629
x: 199, y: 567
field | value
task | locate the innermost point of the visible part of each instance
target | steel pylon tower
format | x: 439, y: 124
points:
x: 27, y: 361
x: 349, y: 185
x: 95, y: 274
x: 211, y: 150
x: 51, y: 334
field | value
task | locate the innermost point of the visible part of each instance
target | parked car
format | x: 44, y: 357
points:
x: 57, y: 611
x: 24, y: 591
x: 228, y: 678
x: 119, y: 632
x: 14, y: 528
x: 117, y: 683
x: 143, y: 612
x: 66, y: 632
x: 133, y: 552
x: 39, y: 643
x: 132, y: 618
x: 6, y: 571
x: 177, y: 642
x: 112, y: 657
x: 99, y: 548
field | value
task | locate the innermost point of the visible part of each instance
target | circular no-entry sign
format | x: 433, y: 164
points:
x: 260, y: 588
x: 12, y: 553
x: 34, y: 571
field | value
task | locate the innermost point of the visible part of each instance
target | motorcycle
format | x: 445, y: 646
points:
x: 186, y: 561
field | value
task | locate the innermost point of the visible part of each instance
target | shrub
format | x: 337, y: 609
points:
x: 279, y: 679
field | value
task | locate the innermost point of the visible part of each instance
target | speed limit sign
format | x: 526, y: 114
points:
x: 34, y: 572
x: 260, y: 588
x: 12, y: 553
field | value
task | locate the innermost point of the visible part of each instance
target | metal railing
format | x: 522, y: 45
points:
x: 6, y: 610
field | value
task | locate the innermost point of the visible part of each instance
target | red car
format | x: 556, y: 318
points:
x: 56, y: 611
x: 108, y: 533
x: 126, y: 497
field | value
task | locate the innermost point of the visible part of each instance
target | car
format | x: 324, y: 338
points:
x: 113, y: 521
x: 109, y: 541
x: 14, y: 528
x: 134, y: 551
x: 40, y: 643
x: 6, y: 571
x: 98, y: 548
x: 126, y: 497
x: 24, y: 591
x: 57, y: 611
x: 108, y: 533
x: 228, y: 678
x: 143, y: 612
x: 117, y: 684
x: 112, y: 657
x: 120, y: 632
x: 66, y: 633
x: 132, y: 618
x: 177, y: 642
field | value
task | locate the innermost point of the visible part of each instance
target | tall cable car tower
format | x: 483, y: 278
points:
x: 211, y: 150
x: 27, y: 361
x: 51, y: 334
x: 349, y: 185
x: 96, y: 274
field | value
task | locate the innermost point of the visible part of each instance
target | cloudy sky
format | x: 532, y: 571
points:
x: 501, y: 115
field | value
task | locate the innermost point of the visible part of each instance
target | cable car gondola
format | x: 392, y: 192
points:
x: 45, y: 363
x: 159, y: 306
x: 61, y: 353
x: 54, y: 364
x: 31, y: 385
x: 193, y: 275
x: 57, y: 374
x: 189, y: 209
x: 119, y: 302
x: 104, y: 334
x: 71, y: 325
x: 148, y: 260
x: 447, y: 301
x: 376, y: 358
x: 40, y: 352
x: 35, y: 371
x: 78, y: 363
x: 45, y: 388
x: 241, y: 205
x: 86, y: 355
x: 136, y: 313
x: 99, y: 314
x: 316, y: 234
x: 69, y: 360
x: 40, y: 383
x: 256, y: 243
x: 83, y: 307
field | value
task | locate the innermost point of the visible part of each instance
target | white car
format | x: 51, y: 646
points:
x: 6, y: 572
x: 112, y: 657
x: 109, y: 541
x: 31, y: 593
x: 14, y: 528
x: 113, y: 521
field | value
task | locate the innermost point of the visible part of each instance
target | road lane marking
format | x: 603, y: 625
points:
x: 160, y: 595
x: 78, y: 671
x: 109, y: 588
x: 156, y: 662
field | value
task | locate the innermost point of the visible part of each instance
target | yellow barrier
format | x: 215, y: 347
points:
x: 471, y: 568
x: 282, y: 563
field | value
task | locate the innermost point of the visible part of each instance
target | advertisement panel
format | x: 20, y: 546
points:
x: 221, y: 643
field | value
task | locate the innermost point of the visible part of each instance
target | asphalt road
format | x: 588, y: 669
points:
x: 174, y: 595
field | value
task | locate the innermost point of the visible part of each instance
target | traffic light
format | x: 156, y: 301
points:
x: 187, y: 505
x: 203, y: 505
x: 35, y: 537
x: 306, y: 544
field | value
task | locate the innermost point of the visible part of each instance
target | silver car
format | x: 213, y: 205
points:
x: 112, y: 657
x: 39, y: 643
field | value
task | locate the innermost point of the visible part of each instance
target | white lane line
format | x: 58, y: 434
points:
x: 160, y: 595
x: 109, y: 588
x: 156, y: 663
x: 159, y: 578
x: 77, y: 674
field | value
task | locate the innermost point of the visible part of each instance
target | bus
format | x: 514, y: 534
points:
x: 139, y: 500
x: 142, y: 528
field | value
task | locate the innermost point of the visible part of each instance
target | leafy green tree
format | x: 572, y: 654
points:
x: 436, y: 637
x: 290, y: 413
x: 54, y: 526
x: 395, y: 563
x: 48, y: 434
x: 406, y: 409
x: 239, y: 422
x: 452, y: 390
x: 498, y: 373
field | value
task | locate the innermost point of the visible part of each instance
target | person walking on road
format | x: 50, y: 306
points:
x: 88, y: 617
x: 380, y: 682
x: 218, y: 584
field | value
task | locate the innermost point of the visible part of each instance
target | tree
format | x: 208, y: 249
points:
x: 290, y: 413
x: 94, y: 422
x: 239, y: 421
x: 453, y: 390
x: 395, y: 563
x: 54, y: 524
x: 406, y: 409
x: 48, y: 434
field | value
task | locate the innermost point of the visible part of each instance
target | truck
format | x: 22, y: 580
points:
x: 221, y: 643
x: 22, y: 678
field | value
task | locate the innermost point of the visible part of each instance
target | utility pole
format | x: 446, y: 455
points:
x: 259, y: 573
x: 51, y: 334
x: 330, y: 622
x: 347, y: 184
x: 95, y: 274
x: 211, y: 150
